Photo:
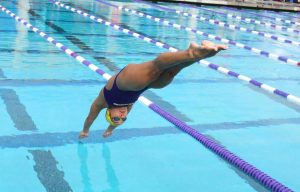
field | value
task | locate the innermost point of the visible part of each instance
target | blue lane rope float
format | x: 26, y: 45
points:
x: 269, y: 17
x: 248, y: 20
x: 291, y: 98
x: 181, y: 27
x: 225, y: 25
x: 249, y: 169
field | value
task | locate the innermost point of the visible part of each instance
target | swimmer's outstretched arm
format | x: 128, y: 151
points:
x: 95, y: 109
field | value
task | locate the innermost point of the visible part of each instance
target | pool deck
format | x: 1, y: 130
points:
x: 252, y: 4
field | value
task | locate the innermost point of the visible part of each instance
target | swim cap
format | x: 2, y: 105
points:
x: 108, y: 119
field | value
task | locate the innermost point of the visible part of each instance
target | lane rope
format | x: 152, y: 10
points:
x: 285, y: 14
x: 192, y: 30
x: 249, y: 169
x: 225, y: 25
x: 269, y: 17
x: 248, y: 20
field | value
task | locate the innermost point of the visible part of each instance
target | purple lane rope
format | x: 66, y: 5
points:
x: 248, y: 20
x: 181, y: 27
x: 225, y: 25
x: 249, y: 169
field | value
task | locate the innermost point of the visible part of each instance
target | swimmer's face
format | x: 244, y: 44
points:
x: 118, y: 114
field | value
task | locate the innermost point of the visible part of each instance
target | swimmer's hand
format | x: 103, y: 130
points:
x: 83, y: 134
x: 207, y: 49
x: 108, y: 132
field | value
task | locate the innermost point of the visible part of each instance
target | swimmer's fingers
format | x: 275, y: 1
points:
x: 218, y: 47
x: 212, y: 46
x: 221, y: 47
x: 107, y: 133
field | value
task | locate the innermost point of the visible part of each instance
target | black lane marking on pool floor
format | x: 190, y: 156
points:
x: 48, y: 173
x: 94, y: 53
x: 17, y: 111
x: 48, y: 82
x: 24, y: 122
x: 55, y: 139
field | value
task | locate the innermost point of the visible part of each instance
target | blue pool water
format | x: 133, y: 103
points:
x: 45, y: 96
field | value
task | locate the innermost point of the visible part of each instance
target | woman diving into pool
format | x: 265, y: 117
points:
x: 124, y: 88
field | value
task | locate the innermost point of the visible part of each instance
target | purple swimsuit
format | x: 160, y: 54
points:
x: 119, y: 98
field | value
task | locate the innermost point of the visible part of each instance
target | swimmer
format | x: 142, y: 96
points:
x: 124, y: 88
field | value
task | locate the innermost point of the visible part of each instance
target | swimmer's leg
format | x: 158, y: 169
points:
x: 138, y: 76
x: 192, y: 54
x: 167, y: 76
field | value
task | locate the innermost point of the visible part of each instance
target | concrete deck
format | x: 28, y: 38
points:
x: 253, y: 4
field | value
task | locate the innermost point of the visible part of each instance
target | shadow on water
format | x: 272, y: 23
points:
x: 276, y: 98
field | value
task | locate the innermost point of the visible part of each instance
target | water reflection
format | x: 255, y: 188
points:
x: 83, y: 156
x: 111, y: 176
x: 112, y: 179
x: 21, y: 41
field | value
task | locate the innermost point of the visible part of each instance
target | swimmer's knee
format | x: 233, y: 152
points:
x: 157, y: 63
x: 153, y: 70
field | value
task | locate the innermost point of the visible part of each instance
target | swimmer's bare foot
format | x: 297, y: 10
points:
x: 83, y: 134
x: 107, y: 132
x: 207, y: 49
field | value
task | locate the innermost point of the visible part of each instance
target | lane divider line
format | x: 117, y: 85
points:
x: 248, y: 20
x: 192, y: 30
x: 225, y: 25
x: 284, y: 14
x: 249, y: 169
x: 269, y: 17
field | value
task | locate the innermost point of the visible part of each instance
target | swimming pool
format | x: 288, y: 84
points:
x: 46, y: 95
